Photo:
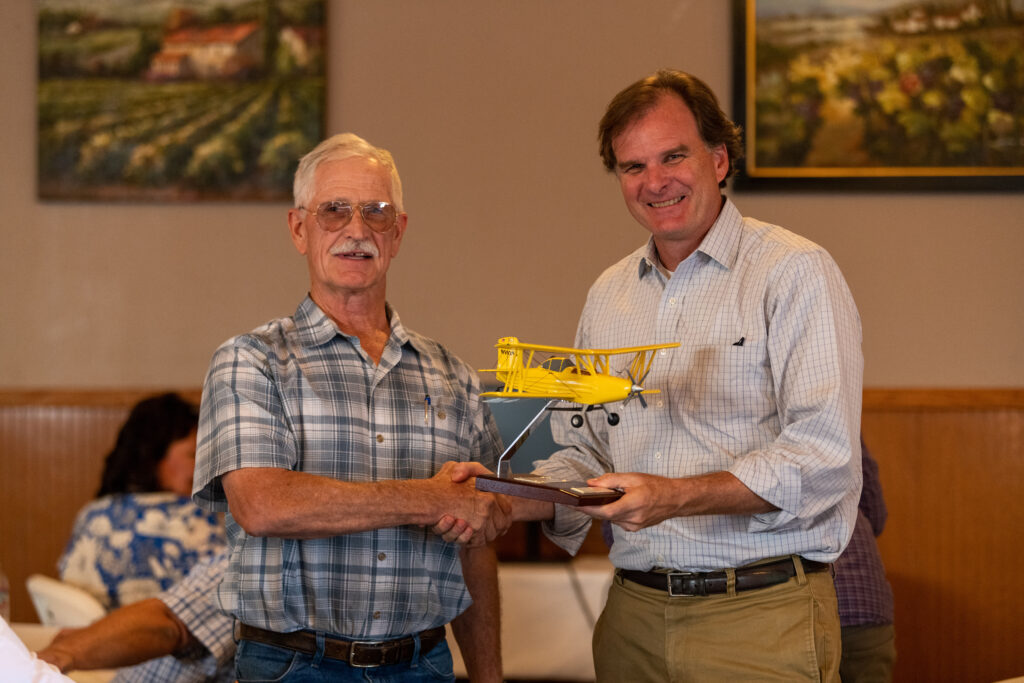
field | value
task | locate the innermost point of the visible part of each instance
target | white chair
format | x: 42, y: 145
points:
x: 61, y: 604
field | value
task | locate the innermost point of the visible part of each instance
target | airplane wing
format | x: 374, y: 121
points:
x: 565, y: 350
x: 516, y: 394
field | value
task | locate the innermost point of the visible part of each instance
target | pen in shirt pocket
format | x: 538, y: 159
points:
x: 426, y: 409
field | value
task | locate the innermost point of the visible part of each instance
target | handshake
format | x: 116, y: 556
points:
x: 467, y: 516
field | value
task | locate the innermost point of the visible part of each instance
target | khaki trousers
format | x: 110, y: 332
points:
x: 788, y: 632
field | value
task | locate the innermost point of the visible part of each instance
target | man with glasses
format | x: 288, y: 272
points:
x: 328, y: 438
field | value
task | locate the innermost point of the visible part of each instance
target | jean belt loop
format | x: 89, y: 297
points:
x: 798, y: 565
x: 320, y: 647
x: 415, y: 662
x: 730, y: 582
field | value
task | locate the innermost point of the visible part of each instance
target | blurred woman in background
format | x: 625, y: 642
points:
x: 143, y: 532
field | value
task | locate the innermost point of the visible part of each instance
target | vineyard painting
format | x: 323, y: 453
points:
x: 914, y: 93
x: 177, y: 100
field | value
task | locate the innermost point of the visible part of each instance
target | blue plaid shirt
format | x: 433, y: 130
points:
x: 766, y: 385
x: 298, y: 394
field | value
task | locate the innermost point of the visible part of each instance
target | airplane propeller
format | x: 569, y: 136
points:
x: 635, y: 391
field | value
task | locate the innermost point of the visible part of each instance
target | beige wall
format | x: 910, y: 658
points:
x: 490, y: 109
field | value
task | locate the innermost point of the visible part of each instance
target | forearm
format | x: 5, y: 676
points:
x: 650, y: 500
x: 528, y: 510
x: 717, y: 493
x: 478, y: 629
x: 278, y: 502
x: 130, y: 635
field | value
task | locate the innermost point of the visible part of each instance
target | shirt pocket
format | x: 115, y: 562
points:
x: 438, y: 422
x: 729, y: 366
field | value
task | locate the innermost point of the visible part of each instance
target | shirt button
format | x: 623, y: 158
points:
x: 440, y: 414
x: 657, y: 456
x: 672, y: 301
x: 381, y: 556
x: 380, y: 438
x: 376, y: 615
x: 660, y: 403
x: 661, y: 559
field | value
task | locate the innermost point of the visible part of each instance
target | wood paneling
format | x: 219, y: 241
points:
x: 952, y: 469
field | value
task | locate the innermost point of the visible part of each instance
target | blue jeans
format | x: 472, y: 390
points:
x: 258, y: 662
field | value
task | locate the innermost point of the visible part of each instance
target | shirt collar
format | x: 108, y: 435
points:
x: 313, y: 327
x: 721, y: 244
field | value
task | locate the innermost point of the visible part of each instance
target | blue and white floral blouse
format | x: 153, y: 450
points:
x: 130, y: 546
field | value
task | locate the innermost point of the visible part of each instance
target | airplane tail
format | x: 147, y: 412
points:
x: 509, y: 358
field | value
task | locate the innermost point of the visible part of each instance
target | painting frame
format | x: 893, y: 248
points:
x: 756, y: 171
x: 148, y: 102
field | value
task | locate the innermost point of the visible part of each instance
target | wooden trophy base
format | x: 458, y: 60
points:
x: 558, y: 491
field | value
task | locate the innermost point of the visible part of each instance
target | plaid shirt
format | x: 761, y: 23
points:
x: 192, y: 601
x: 766, y: 385
x: 865, y: 596
x: 298, y: 394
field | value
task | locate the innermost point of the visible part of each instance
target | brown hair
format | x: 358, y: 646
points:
x: 152, y: 425
x: 634, y: 101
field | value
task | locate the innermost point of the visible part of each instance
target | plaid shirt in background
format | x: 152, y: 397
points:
x: 192, y: 601
x: 865, y: 596
x: 298, y: 394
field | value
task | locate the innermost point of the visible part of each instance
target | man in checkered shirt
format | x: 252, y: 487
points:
x: 328, y: 438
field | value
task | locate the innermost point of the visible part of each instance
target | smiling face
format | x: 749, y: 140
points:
x: 669, y: 178
x: 355, y: 259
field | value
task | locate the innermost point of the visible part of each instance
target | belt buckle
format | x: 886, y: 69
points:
x: 361, y: 665
x: 677, y: 578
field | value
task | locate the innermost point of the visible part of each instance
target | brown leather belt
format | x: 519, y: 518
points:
x: 710, y: 583
x: 357, y: 653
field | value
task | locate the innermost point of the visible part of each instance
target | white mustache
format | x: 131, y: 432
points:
x: 352, y: 245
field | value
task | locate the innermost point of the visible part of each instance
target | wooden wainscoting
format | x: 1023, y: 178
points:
x: 952, y: 470
x: 952, y: 467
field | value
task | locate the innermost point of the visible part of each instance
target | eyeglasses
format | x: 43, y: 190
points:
x: 336, y: 214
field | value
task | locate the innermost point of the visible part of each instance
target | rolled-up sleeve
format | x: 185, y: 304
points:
x: 814, y: 346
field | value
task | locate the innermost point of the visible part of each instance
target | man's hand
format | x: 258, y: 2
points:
x: 472, y: 517
x: 55, y: 653
x: 457, y: 530
x: 648, y: 500
x: 651, y: 499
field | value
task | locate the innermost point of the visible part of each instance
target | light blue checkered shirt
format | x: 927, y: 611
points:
x: 766, y: 385
x: 298, y: 394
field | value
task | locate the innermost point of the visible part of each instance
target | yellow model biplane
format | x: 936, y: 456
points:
x: 579, y: 376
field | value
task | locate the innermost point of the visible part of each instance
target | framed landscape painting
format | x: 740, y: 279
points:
x: 880, y: 94
x: 154, y: 100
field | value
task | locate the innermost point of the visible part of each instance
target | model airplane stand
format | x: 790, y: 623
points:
x: 536, y: 487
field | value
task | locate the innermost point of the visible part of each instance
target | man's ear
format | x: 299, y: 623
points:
x: 298, y: 229
x: 402, y: 222
x: 721, y: 157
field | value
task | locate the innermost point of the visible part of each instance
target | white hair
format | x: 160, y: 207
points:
x: 336, y: 148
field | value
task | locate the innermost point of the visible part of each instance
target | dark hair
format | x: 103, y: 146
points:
x: 143, y: 441
x: 634, y: 101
